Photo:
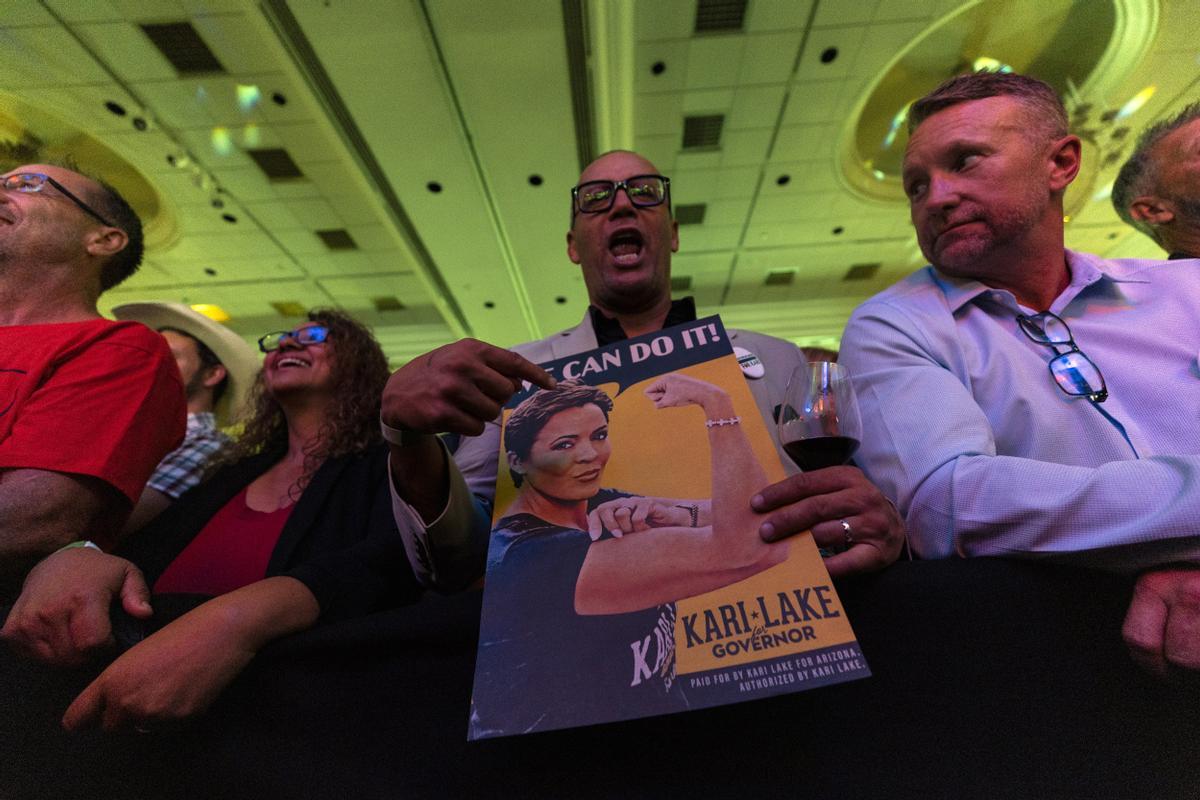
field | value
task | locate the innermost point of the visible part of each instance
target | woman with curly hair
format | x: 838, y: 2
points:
x: 295, y: 526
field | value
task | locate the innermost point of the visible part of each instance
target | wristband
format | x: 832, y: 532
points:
x: 693, y: 510
x: 401, y: 437
x: 80, y: 543
x: 721, y: 423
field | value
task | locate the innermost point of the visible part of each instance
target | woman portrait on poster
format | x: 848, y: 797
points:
x: 557, y: 448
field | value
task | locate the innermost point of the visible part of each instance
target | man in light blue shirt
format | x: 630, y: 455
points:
x: 1020, y: 399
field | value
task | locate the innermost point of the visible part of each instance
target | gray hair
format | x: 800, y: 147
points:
x: 1139, y: 175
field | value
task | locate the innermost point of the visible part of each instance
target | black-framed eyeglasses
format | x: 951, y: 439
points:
x: 643, y: 191
x: 30, y: 182
x: 313, y: 334
x: 1074, y: 372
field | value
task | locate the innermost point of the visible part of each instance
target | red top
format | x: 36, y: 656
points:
x: 231, y: 551
x: 98, y: 398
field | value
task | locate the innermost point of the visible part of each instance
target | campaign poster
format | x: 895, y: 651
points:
x: 626, y: 576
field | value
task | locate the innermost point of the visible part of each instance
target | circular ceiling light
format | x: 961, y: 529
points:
x: 1087, y: 51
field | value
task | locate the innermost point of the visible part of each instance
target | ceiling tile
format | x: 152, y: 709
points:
x: 804, y: 142
x: 315, y: 213
x: 714, y: 61
x: 126, y: 49
x: 707, y: 101
x: 698, y: 238
x: 769, y: 57
x: 658, y: 113
x: 912, y: 10
x: 857, y: 13
x: 17, y: 15
x: 150, y: 10
x: 756, y: 107
x: 881, y: 44
x: 778, y: 15
x: 817, y: 101
x: 743, y: 148
x: 674, y: 58
x: 694, y: 186
x: 847, y: 42
x: 665, y: 19
x: 50, y: 57
x: 235, y: 41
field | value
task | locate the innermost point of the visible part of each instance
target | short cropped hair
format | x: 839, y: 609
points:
x: 109, y: 203
x: 208, y: 359
x: 1139, y: 174
x: 113, y: 207
x: 532, y: 414
x: 1045, y: 109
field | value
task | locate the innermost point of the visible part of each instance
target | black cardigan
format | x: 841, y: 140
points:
x: 340, y: 540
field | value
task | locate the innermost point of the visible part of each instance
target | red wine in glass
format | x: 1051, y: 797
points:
x: 821, y: 451
x: 819, y: 424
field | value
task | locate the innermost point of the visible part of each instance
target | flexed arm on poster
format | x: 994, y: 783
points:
x: 635, y: 513
x: 669, y: 563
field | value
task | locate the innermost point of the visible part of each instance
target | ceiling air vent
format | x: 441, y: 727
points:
x: 681, y: 283
x: 862, y: 272
x: 780, y: 277
x: 389, y: 303
x: 690, y: 215
x: 181, y: 44
x: 702, y: 133
x: 720, y: 16
x: 289, y: 308
x: 276, y: 163
x: 337, y: 239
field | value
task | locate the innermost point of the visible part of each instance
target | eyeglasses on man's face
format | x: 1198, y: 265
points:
x: 643, y: 191
x: 313, y: 334
x: 1075, y: 373
x: 32, y: 182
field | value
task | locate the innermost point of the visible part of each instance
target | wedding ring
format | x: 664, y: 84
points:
x: 846, y: 530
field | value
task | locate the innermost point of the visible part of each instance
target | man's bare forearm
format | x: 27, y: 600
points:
x: 40, y: 511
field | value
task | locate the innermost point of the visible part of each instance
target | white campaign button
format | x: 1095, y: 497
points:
x: 751, y: 367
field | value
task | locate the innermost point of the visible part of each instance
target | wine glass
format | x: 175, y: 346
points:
x: 818, y: 423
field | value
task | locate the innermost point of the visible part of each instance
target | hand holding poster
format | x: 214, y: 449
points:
x: 626, y: 576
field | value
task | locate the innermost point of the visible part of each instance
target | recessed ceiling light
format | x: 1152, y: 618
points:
x: 783, y: 180
x: 115, y: 108
x: 230, y: 218
x: 535, y: 180
x: 248, y: 96
x: 139, y: 124
x: 213, y: 312
x: 289, y: 308
x: 488, y: 304
x: 434, y: 187
x: 1136, y: 102
x: 828, y: 55
x: 838, y: 230
x: 222, y: 142
x: 210, y: 272
x: 278, y: 99
x: 658, y: 68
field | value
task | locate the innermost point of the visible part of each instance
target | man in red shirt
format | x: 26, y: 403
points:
x: 88, y: 406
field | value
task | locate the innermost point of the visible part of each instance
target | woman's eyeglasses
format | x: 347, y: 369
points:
x: 29, y: 182
x: 1074, y: 372
x: 313, y: 334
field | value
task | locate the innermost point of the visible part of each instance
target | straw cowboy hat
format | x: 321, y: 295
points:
x: 240, y: 361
